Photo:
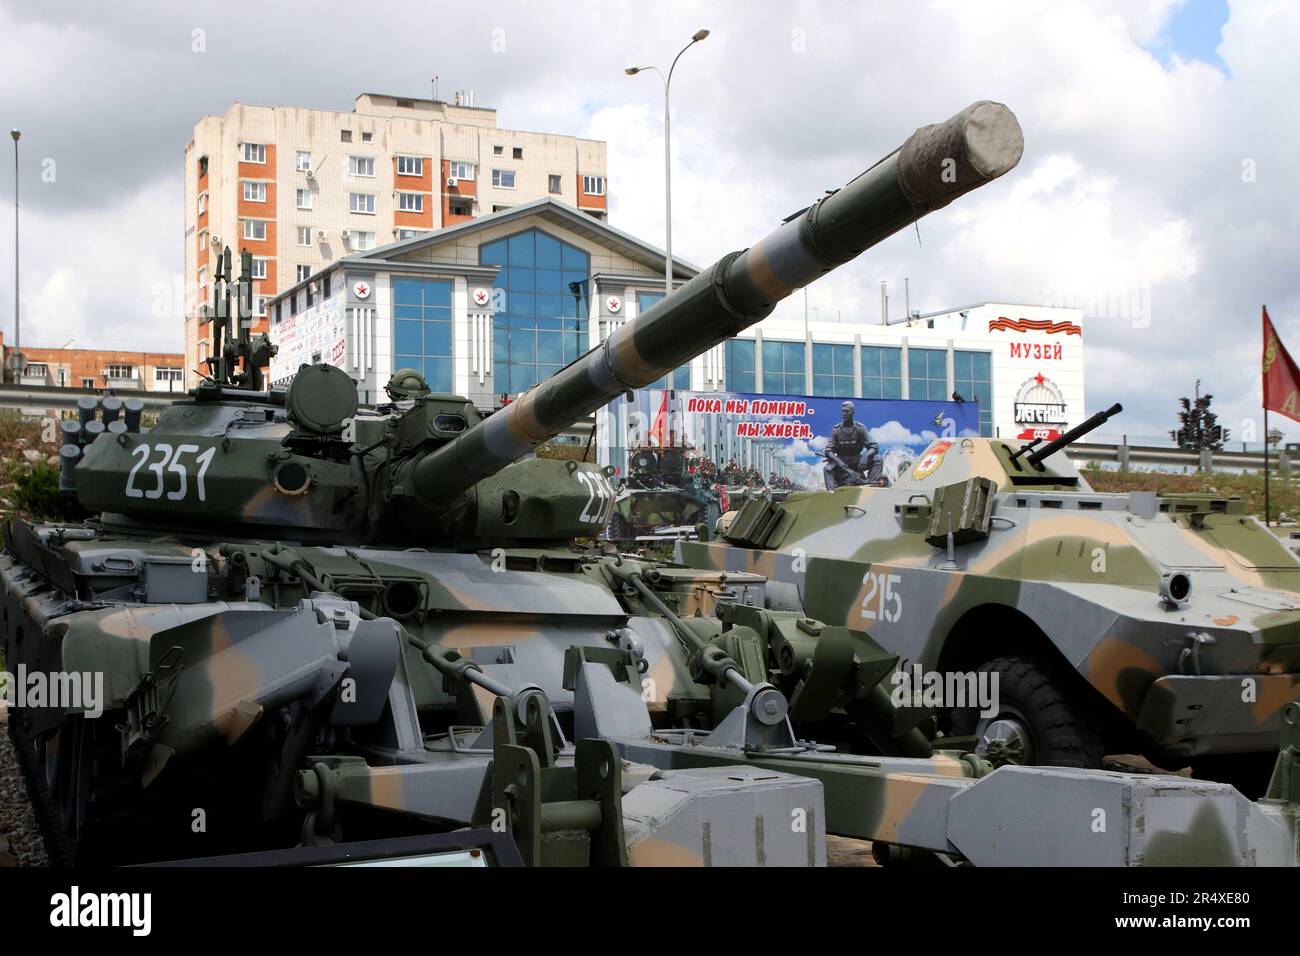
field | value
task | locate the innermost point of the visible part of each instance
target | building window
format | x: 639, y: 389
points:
x: 460, y: 207
x: 678, y: 378
x: 254, y: 230
x: 422, y: 329
x: 120, y: 372
x: 518, y: 152
x: 503, y: 178
x: 203, y: 277
x: 500, y: 208
x: 304, y: 160
x: 740, y: 365
x: 972, y: 375
x: 203, y: 165
x: 361, y: 166
x: 304, y: 273
x: 304, y: 235
x: 593, y: 185
x: 254, y: 192
x: 303, y: 198
x: 411, y: 166
x: 461, y: 171
x: 783, y: 368
x: 927, y: 374
x: 362, y: 203
x: 882, y: 372
x: 166, y: 376
x: 553, y: 184
x: 37, y: 370
x: 498, y: 150
x: 87, y: 383
x: 345, y: 135
x: 543, y: 323
x: 255, y: 152
x: 203, y: 203
x: 361, y: 241
x: 833, y: 370
x: 367, y: 137
x: 203, y: 242
x: 411, y: 233
x: 259, y: 267
x: 259, y: 306
x: 410, y: 202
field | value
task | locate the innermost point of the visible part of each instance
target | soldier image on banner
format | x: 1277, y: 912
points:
x: 852, y: 458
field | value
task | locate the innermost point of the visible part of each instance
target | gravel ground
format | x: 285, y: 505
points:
x: 20, y: 836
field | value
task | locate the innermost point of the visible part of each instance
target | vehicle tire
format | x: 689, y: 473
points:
x: 1039, y: 721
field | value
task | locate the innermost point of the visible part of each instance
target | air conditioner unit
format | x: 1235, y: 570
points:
x: 320, y: 235
x: 310, y: 175
x: 453, y: 181
x: 346, y: 234
x: 216, y: 240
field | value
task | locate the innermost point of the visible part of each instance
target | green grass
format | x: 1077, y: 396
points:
x: 1284, y: 497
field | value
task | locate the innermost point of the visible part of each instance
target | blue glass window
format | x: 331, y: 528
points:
x: 422, y: 329
x: 783, y: 371
x: 740, y: 365
x: 972, y: 374
x: 882, y: 372
x: 927, y: 374
x: 543, y: 325
x: 833, y: 370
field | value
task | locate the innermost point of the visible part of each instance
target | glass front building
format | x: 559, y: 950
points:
x: 882, y: 372
x: 422, y: 329
x: 783, y: 371
x: 543, y: 323
x: 740, y: 365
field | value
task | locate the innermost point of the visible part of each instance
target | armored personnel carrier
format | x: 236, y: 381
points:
x: 1115, y: 623
x: 661, y: 492
x: 317, y: 623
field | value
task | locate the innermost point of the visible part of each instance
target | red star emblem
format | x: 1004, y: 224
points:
x: 480, y: 296
x: 1039, y: 378
x: 363, y: 289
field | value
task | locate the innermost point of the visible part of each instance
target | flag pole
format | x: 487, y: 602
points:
x: 1267, y: 512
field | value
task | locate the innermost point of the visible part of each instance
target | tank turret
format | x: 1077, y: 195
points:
x: 429, y: 470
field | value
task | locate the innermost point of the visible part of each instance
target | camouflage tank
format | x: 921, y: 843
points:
x: 1138, y: 623
x: 661, y: 495
x: 316, y: 623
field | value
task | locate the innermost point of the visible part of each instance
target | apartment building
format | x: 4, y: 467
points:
x: 101, y: 369
x: 300, y: 188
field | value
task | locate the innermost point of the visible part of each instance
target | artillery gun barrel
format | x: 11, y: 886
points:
x: 932, y: 168
x: 1073, y: 435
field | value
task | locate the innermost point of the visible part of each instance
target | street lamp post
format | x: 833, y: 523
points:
x: 668, y: 157
x: 18, y: 334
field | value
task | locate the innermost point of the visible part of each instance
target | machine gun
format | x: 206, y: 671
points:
x: 1035, y: 456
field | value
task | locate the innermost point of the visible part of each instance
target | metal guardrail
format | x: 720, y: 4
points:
x: 1126, y: 455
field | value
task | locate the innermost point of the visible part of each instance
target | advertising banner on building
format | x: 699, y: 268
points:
x: 685, y: 457
x: 317, y: 334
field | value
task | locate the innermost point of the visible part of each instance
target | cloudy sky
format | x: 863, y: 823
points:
x: 1158, y: 190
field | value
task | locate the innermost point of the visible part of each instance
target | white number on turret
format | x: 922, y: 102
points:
x: 600, y: 497
x: 162, y: 459
x: 882, y: 602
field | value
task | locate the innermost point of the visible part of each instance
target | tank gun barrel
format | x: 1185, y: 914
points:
x: 933, y: 167
x: 1073, y: 435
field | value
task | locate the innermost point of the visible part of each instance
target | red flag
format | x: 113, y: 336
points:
x: 1281, y: 376
x: 659, y: 431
